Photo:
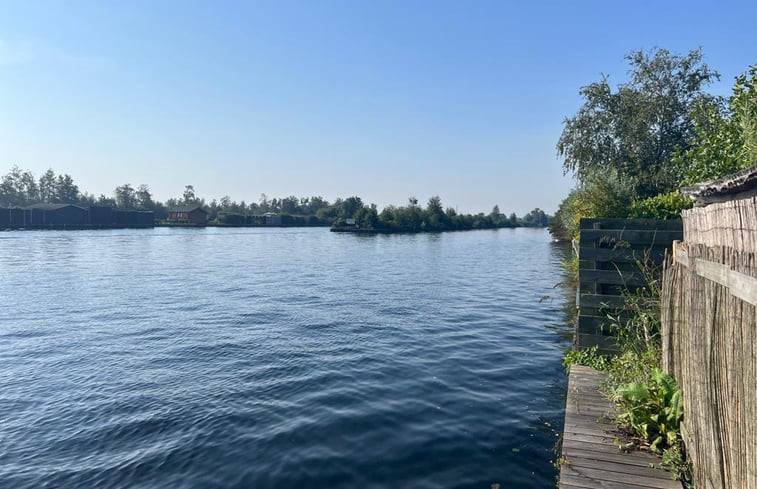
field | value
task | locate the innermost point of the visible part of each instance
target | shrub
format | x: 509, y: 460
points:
x: 663, y: 206
x: 654, y: 409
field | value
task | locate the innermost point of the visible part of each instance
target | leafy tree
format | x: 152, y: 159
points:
x: 599, y: 195
x: 264, y: 204
x: 105, y: 201
x: 496, y: 216
x: 536, y: 218
x: 637, y: 128
x: 125, y: 196
x: 47, y: 187
x: 367, y: 217
x: 725, y: 138
x: 189, y: 197
x: 66, y: 191
x: 143, y: 198
x: 663, y: 206
x: 290, y: 205
x: 349, y: 206
x: 435, y: 217
x: 18, y: 188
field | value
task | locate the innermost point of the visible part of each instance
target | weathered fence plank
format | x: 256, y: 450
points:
x: 611, y: 253
x: 709, y: 333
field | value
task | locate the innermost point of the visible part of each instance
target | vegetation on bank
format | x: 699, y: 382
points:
x: 20, y: 188
x: 414, y: 218
x: 649, y: 400
x: 630, y: 148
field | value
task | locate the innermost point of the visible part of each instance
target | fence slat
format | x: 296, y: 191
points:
x: 709, y: 334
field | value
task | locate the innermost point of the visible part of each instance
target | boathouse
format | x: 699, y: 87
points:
x: 190, y: 214
x: 55, y: 215
x: 272, y: 219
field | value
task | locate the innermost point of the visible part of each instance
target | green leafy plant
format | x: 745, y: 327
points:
x: 663, y: 206
x: 653, y: 410
x: 588, y: 357
x: 674, y: 460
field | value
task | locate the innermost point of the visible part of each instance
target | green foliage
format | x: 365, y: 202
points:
x: 571, y: 266
x: 588, y: 357
x: 725, y: 137
x: 674, y: 461
x: 715, y: 149
x: 637, y: 329
x: 632, y: 366
x: 635, y: 129
x: 598, y: 195
x: 20, y: 188
x: 744, y: 107
x: 653, y: 409
x: 414, y: 218
x: 663, y: 206
x: 536, y: 219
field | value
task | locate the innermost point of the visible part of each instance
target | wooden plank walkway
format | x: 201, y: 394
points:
x: 590, y: 458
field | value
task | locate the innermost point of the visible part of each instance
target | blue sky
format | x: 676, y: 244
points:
x: 380, y: 99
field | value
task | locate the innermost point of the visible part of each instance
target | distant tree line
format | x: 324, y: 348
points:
x: 19, y: 188
x: 434, y: 217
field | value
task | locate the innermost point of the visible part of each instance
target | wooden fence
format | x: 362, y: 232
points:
x: 709, y: 301
x: 611, y: 253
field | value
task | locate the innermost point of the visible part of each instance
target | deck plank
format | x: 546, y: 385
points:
x: 590, y: 457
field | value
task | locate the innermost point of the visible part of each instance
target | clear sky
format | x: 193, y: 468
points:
x: 381, y: 99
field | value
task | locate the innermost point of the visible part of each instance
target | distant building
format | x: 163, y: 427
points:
x: 55, y: 215
x: 69, y: 216
x: 272, y: 219
x: 101, y: 216
x: 191, y: 214
x: 133, y: 219
x: 11, y: 218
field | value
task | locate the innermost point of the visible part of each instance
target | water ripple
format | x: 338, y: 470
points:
x: 183, y: 358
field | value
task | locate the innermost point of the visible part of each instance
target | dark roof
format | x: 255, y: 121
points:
x: 186, y: 208
x: 735, y: 186
x: 52, y: 207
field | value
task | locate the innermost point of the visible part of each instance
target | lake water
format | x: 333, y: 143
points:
x: 262, y: 358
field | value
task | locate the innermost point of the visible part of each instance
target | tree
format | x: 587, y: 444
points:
x: 637, y: 128
x: 599, y: 195
x: 536, y: 218
x: 18, y: 188
x: 350, y: 205
x: 143, y: 198
x: 125, y: 196
x: 66, y: 191
x: 725, y: 138
x: 47, y: 186
x: 290, y: 205
x: 189, y: 197
x: 435, y: 217
x: 496, y: 217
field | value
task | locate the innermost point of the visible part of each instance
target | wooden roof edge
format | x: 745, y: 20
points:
x: 741, y: 184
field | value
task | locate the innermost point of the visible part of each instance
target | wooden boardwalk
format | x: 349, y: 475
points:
x: 590, y: 458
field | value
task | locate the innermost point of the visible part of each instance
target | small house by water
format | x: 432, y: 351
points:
x: 272, y: 219
x: 190, y: 214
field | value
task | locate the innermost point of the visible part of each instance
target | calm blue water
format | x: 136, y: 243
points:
x: 261, y: 358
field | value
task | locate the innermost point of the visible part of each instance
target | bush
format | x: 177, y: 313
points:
x: 600, y: 195
x: 653, y: 409
x: 663, y: 206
